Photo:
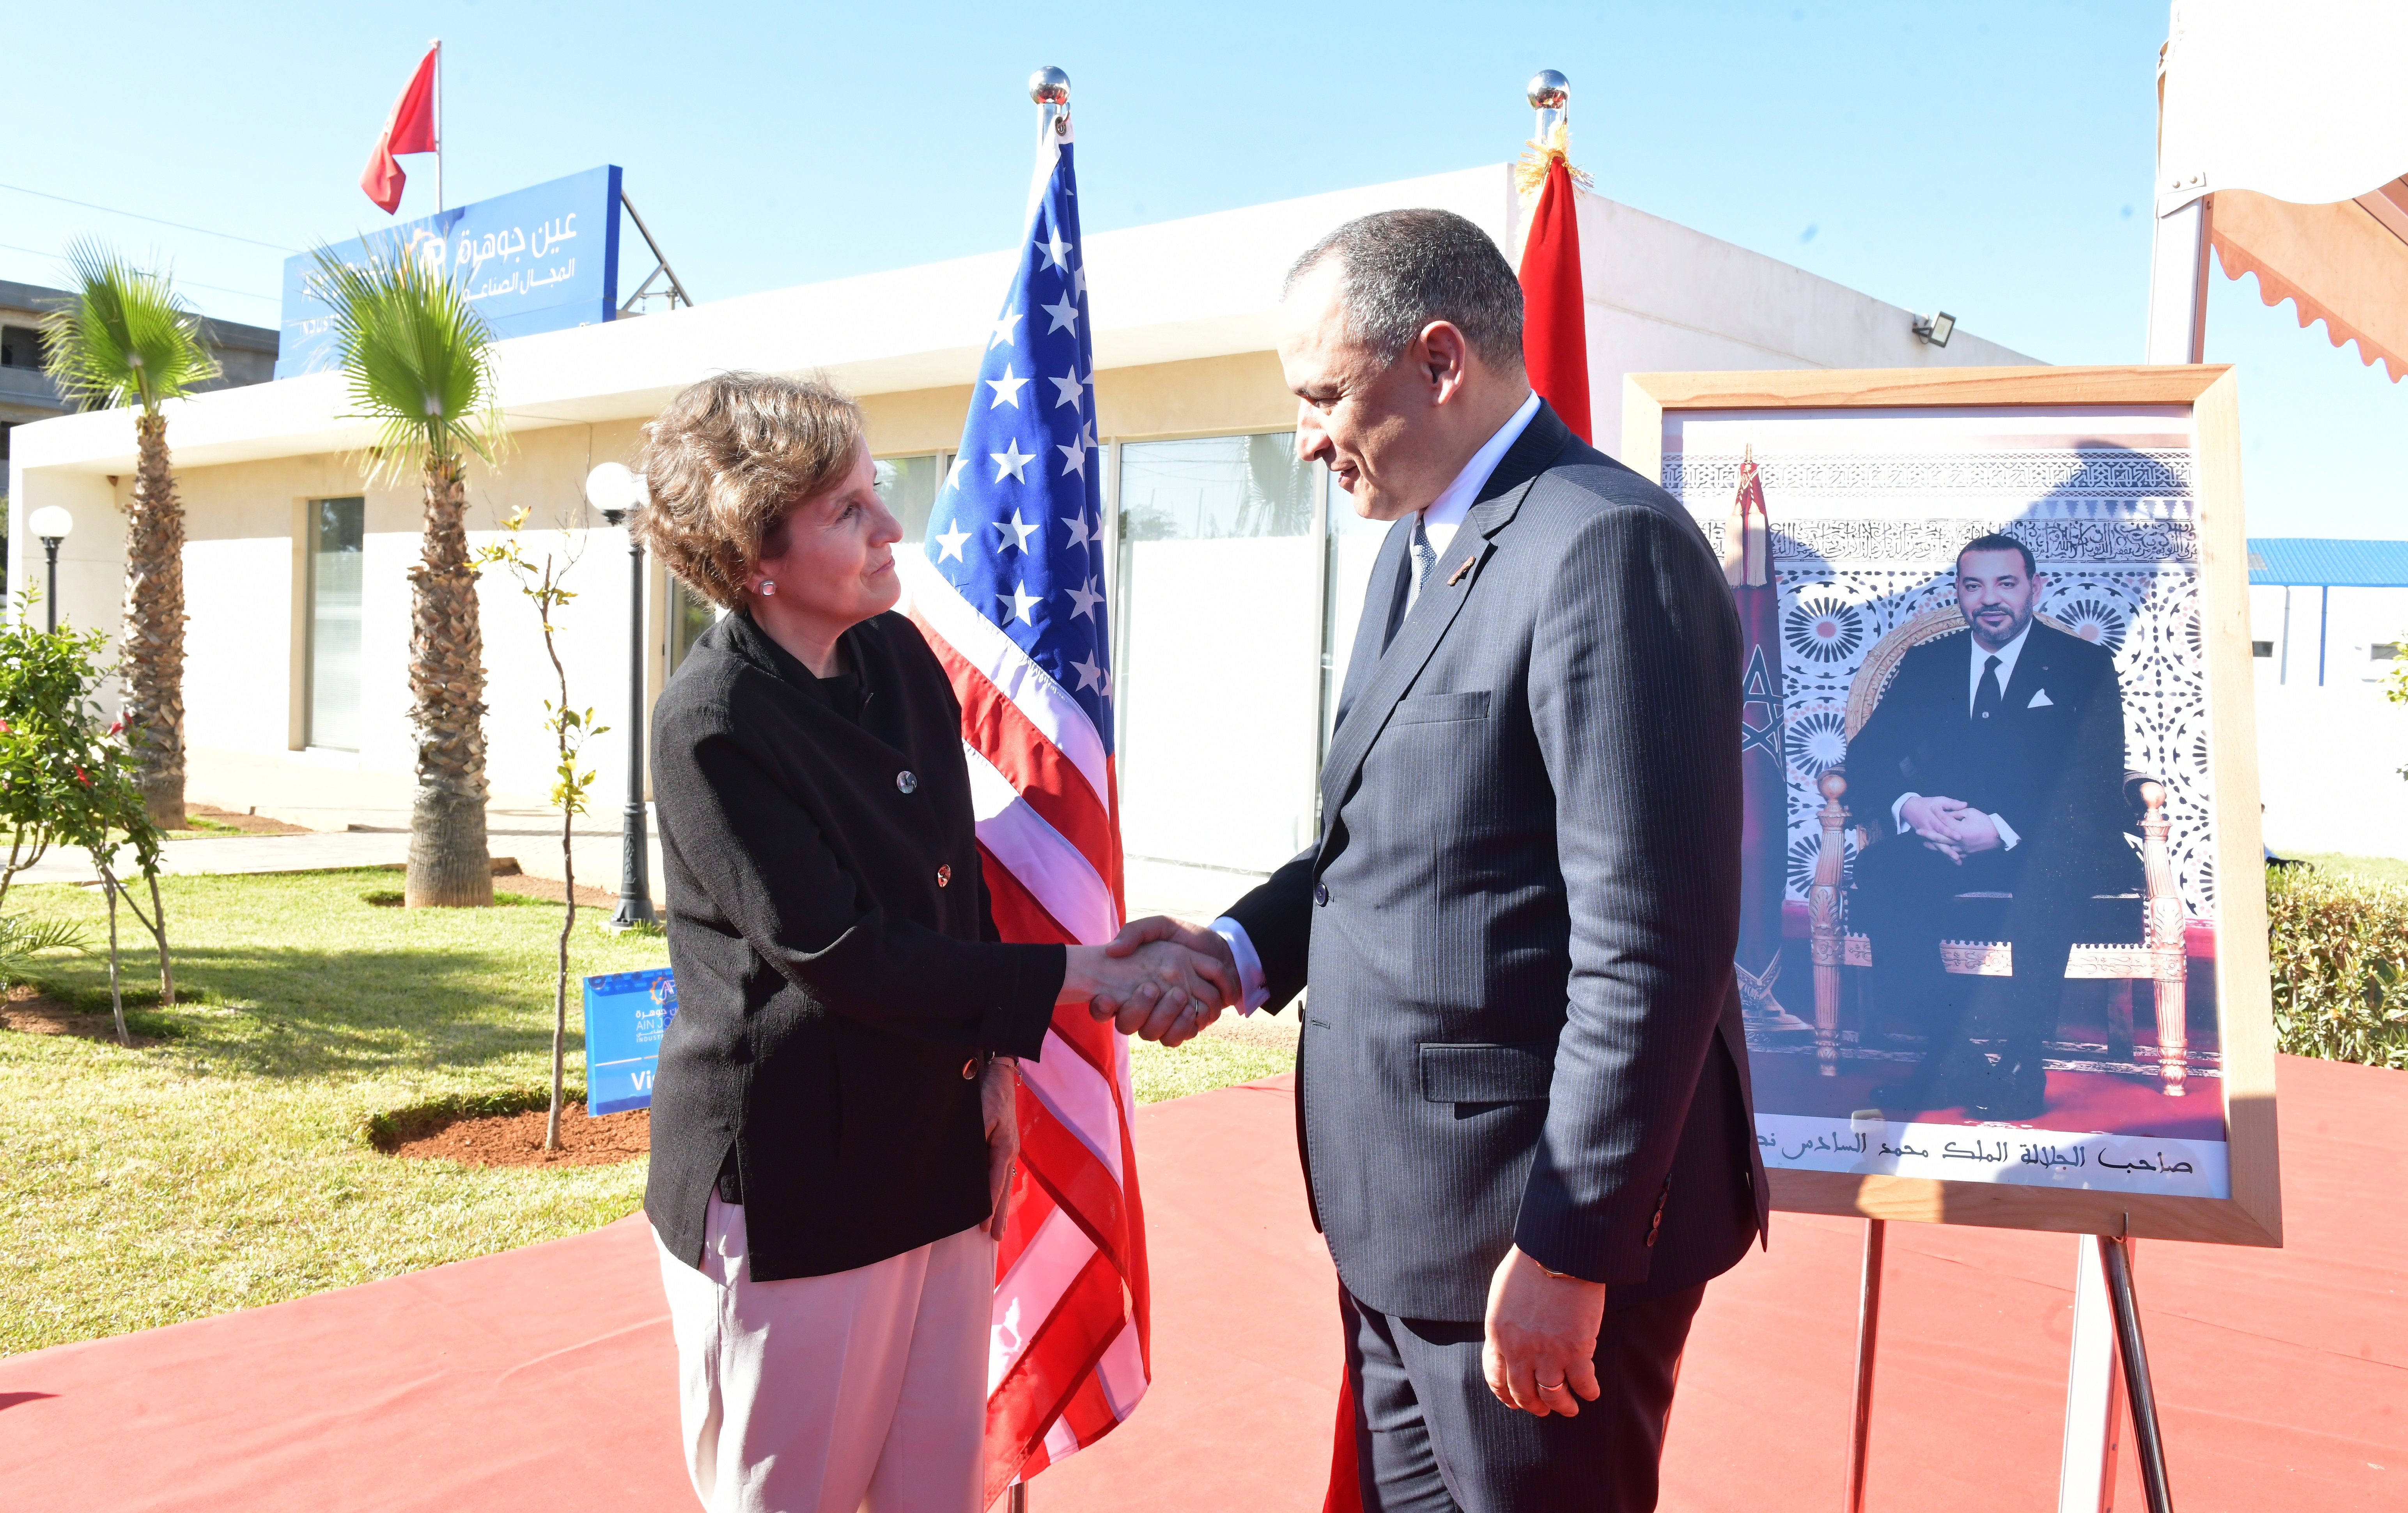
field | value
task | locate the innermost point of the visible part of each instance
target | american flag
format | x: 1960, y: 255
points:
x: 1010, y: 593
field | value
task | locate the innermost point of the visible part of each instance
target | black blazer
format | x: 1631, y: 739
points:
x: 837, y: 987
x: 2050, y: 762
x: 1518, y: 923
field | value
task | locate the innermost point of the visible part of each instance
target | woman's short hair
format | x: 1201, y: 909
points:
x: 724, y: 464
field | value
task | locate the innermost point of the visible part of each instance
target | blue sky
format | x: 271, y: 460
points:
x: 1994, y: 160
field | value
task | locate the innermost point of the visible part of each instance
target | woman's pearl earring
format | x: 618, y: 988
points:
x: 768, y: 587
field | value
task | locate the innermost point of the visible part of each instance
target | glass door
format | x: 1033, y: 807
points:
x: 337, y: 530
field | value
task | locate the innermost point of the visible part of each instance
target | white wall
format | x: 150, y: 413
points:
x: 2327, y: 634
x: 2330, y: 756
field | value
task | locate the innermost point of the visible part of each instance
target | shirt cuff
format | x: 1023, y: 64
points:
x: 1897, y: 812
x: 2007, y: 837
x: 1252, y: 991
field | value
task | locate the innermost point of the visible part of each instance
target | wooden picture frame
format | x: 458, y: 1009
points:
x: 1655, y: 405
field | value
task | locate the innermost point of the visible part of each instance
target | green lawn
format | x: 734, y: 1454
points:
x: 2363, y: 868
x: 1234, y: 1050
x: 228, y: 1167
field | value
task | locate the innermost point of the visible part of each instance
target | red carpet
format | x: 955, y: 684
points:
x: 541, y: 1376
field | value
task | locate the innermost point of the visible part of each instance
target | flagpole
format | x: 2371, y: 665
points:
x: 1049, y: 89
x: 437, y: 45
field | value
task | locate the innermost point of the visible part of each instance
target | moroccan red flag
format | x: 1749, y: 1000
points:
x: 1554, y: 324
x: 411, y: 128
x: 1764, y: 763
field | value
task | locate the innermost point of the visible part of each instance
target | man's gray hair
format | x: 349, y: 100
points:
x: 1400, y: 270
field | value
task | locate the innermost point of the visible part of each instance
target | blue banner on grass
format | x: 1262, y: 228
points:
x: 625, y: 1013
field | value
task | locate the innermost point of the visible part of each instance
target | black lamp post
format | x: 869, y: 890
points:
x: 616, y: 492
x: 53, y: 524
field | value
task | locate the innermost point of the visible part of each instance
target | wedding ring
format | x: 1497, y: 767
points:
x: 1557, y: 1386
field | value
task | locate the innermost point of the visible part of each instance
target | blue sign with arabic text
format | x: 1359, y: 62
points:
x: 540, y: 259
x: 626, y: 1015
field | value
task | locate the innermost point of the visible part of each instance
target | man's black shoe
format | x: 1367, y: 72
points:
x: 2018, y: 1089
x: 1950, y: 1086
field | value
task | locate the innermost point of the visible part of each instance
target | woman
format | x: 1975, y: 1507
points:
x: 832, y: 1120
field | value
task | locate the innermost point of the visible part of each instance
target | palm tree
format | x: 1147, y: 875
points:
x: 126, y: 338
x: 420, y: 361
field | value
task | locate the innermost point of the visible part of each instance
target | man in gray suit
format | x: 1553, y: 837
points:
x: 1522, y: 1087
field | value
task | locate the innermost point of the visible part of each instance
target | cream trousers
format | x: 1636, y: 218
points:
x: 864, y: 1392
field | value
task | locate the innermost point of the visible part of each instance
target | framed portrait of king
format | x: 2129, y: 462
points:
x: 2002, y: 952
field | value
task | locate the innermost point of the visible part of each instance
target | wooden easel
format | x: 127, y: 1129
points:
x: 2106, y: 1335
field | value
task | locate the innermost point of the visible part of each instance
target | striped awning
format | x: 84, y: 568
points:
x: 2286, y: 118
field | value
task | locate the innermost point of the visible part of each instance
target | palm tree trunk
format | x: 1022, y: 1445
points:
x: 448, y: 862
x: 151, y: 665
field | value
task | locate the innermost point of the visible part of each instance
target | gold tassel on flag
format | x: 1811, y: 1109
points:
x: 1532, y: 172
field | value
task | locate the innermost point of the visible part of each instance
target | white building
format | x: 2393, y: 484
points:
x: 2329, y: 620
x: 1236, y: 586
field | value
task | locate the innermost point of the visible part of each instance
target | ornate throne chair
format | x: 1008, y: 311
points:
x: 2157, y: 958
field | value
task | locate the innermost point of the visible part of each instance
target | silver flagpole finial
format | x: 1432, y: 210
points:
x: 1549, y: 95
x: 1050, y: 88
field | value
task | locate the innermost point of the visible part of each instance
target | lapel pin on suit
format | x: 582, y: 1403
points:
x: 1456, y: 577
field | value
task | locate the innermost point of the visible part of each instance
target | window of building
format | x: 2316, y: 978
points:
x: 337, y: 535
x: 909, y: 486
x: 20, y: 346
x: 690, y: 615
x: 1217, y: 678
x: 2261, y: 648
x: 2382, y: 651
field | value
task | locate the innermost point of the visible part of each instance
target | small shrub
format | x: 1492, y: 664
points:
x: 2339, y: 958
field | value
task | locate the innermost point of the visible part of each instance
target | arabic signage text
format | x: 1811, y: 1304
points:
x: 539, y: 258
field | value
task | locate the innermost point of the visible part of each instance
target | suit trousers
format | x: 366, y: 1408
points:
x: 863, y: 1390
x: 1907, y: 902
x: 1429, y: 1437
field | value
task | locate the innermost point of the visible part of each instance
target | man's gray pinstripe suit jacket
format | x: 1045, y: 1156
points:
x: 1518, y: 923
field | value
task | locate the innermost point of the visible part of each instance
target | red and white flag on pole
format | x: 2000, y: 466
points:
x: 1009, y: 588
x: 414, y: 126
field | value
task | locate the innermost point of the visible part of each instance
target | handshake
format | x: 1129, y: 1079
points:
x: 1160, y: 979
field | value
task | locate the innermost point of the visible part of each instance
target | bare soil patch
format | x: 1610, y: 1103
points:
x: 250, y: 824
x: 517, y: 1139
x: 550, y: 890
x: 29, y: 1012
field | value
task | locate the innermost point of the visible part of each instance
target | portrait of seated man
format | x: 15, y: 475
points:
x: 1993, y: 766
